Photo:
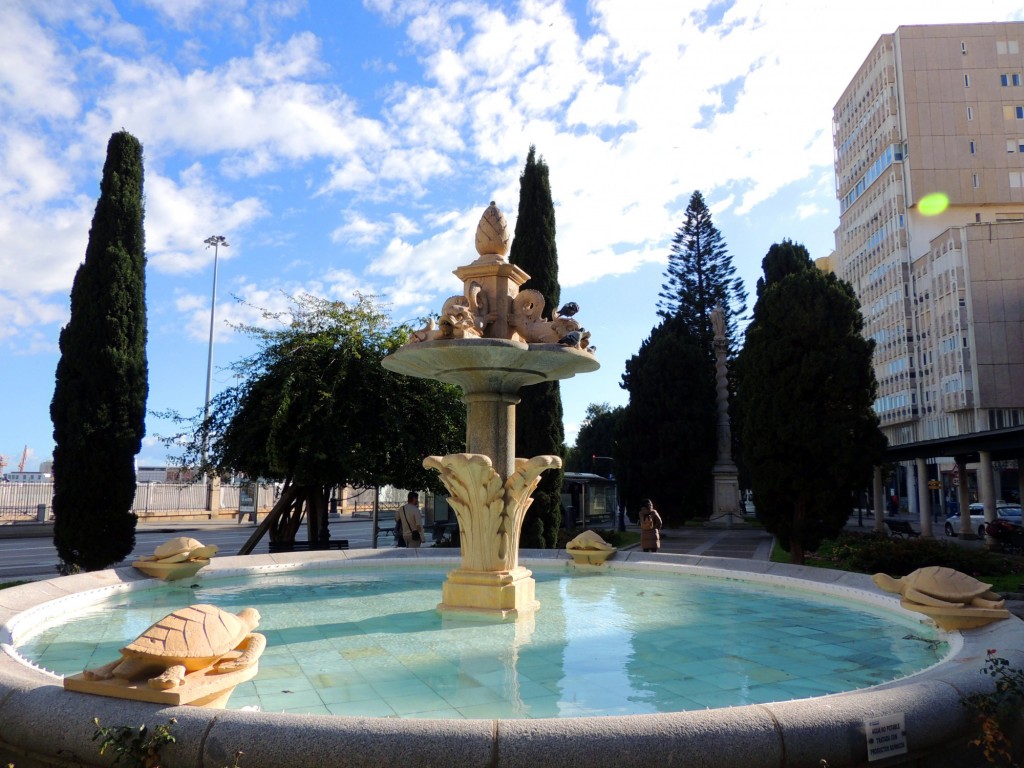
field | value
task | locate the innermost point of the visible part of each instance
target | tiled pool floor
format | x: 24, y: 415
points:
x: 369, y: 642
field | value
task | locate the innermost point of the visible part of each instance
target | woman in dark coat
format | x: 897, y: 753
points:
x: 650, y: 525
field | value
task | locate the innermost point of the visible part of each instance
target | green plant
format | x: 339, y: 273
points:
x: 138, y: 747
x: 996, y: 711
x: 874, y: 553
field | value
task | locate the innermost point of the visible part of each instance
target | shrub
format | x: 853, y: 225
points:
x: 874, y: 553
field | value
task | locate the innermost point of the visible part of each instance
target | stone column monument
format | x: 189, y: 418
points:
x: 725, y: 512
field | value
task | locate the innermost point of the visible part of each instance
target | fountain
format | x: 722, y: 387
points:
x: 491, y: 341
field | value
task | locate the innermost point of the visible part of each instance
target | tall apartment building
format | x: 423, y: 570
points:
x: 936, y: 113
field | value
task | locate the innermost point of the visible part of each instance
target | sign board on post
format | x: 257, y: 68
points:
x: 887, y: 736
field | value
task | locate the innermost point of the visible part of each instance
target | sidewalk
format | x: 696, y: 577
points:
x: 747, y: 543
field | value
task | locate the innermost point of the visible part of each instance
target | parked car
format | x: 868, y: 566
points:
x: 1009, y: 512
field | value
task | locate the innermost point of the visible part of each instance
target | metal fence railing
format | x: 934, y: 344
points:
x: 33, y: 502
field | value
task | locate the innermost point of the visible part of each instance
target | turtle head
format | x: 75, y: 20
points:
x: 888, y: 583
x: 250, y: 617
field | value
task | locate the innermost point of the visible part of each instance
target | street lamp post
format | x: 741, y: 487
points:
x: 217, y: 241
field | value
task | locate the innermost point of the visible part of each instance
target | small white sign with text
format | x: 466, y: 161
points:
x: 887, y: 736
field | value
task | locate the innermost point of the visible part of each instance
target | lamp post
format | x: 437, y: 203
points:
x: 216, y: 241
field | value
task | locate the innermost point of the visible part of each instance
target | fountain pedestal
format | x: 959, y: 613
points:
x: 491, y: 341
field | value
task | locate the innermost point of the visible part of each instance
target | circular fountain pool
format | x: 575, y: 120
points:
x: 44, y: 725
x: 367, y: 641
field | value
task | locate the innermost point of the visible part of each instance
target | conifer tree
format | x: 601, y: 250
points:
x: 539, y: 429
x: 99, y: 401
x: 699, y: 275
x: 806, y: 389
x: 665, y: 441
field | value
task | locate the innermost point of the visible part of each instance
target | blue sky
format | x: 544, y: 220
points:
x: 347, y: 146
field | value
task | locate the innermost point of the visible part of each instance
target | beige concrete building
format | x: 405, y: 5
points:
x: 929, y: 159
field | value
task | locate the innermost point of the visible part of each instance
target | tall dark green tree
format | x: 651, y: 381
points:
x: 665, y: 445
x: 99, y: 401
x: 699, y: 275
x: 806, y: 388
x: 314, y: 408
x: 539, y: 428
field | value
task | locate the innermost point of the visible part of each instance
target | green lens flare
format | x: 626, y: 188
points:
x: 933, y: 204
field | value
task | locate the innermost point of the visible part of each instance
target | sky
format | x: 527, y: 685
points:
x: 353, y: 146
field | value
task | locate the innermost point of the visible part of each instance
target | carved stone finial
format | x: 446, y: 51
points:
x: 492, y: 235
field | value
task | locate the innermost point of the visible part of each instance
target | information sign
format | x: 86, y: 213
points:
x: 887, y: 736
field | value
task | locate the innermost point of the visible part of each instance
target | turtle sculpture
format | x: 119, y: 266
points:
x: 193, y: 639
x: 953, y: 599
x: 589, y: 549
x: 177, y: 558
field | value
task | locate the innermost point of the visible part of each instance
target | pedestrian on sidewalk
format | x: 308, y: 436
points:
x: 411, y: 520
x: 650, y: 525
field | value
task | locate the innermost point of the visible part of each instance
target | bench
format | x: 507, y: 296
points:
x: 305, y: 546
x: 901, y: 528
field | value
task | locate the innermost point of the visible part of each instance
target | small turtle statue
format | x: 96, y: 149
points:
x: 199, y: 637
x: 953, y: 600
x: 179, y: 550
x: 942, y: 587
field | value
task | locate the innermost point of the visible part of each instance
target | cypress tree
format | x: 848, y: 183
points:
x: 665, y: 441
x: 539, y: 429
x: 699, y: 275
x: 99, y: 401
x: 806, y: 389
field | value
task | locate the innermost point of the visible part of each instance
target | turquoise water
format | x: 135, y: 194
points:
x: 369, y: 642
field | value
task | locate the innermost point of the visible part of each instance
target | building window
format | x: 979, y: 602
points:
x: 1012, y: 78
x: 1004, y: 80
x: 1015, y: 78
x: 974, y: 180
x: 1015, y: 179
x: 1013, y: 47
x: 963, y: 48
x: 967, y: 80
x: 1011, y: 146
x: 973, y: 148
x: 970, y: 113
x: 977, y: 218
x: 1019, y: 112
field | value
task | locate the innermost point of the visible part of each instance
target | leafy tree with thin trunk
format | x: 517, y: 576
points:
x: 539, y: 428
x: 665, y: 442
x: 314, y: 408
x: 699, y: 275
x: 806, y: 389
x: 99, y: 400
x: 595, y: 442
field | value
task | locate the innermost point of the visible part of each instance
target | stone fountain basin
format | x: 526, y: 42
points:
x: 490, y: 365
x: 42, y: 724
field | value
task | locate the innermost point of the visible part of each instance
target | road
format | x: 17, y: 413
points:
x: 34, y: 558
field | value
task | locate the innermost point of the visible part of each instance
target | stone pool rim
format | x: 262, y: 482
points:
x: 41, y: 724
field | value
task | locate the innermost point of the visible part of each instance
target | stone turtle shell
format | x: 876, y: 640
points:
x: 194, y: 636
x: 945, y: 584
x: 176, y: 546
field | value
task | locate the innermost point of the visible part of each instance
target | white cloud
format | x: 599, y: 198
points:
x: 179, y: 216
x: 35, y: 78
x: 359, y: 230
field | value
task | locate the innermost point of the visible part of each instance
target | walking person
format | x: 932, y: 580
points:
x: 650, y: 525
x: 411, y: 520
